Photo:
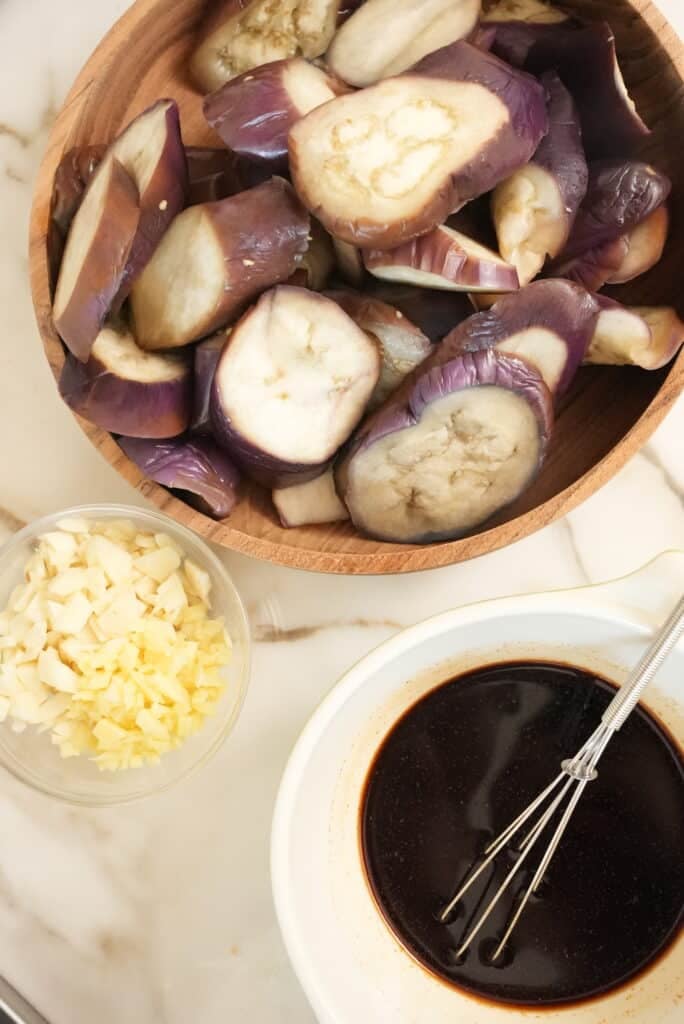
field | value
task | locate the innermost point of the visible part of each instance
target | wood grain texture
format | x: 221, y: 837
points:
x: 607, y: 417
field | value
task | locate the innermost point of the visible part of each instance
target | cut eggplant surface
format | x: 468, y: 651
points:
x: 402, y: 344
x: 310, y: 504
x: 391, y: 162
x: 151, y: 150
x: 291, y: 385
x: 243, y: 34
x: 254, y: 112
x: 587, y: 62
x: 349, y: 261
x: 215, y: 259
x: 385, y: 37
x: 549, y: 324
x: 621, y: 194
x: 444, y: 258
x: 205, y: 358
x: 127, y: 391
x: 435, y: 313
x: 535, y: 209
x: 645, y: 245
x: 195, y: 466
x: 95, y: 257
x: 438, y: 461
x: 649, y: 337
x: 318, y: 262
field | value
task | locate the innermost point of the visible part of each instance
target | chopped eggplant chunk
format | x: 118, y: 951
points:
x: 244, y: 34
x: 385, y: 37
x: 72, y: 176
x: 402, y: 344
x: 215, y: 259
x: 384, y: 165
x: 291, y: 385
x: 310, y: 504
x: 644, y: 247
x: 195, y: 466
x: 95, y: 257
x: 444, y: 258
x: 438, y: 460
x: 253, y: 113
x: 549, y: 324
x: 128, y: 391
x: 535, y: 209
x: 649, y: 337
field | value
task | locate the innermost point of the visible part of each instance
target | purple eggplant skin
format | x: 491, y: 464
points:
x: 593, y: 269
x: 586, y: 60
x: 513, y: 41
x: 434, y: 312
x: 375, y: 220
x: 75, y: 170
x: 562, y: 307
x: 213, y: 174
x: 561, y: 152
x: 196, y: 466
x: 620, y: 195
x: 206, y: 357
x: 486, y: 370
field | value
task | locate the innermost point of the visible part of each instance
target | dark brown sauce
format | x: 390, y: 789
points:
x: 459, y: 766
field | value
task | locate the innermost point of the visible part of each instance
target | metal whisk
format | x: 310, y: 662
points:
x: 575, y: 773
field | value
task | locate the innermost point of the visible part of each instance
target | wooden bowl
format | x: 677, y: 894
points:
x: 610, y: 413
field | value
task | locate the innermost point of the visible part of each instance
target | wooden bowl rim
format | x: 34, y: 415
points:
x: 411, y: 558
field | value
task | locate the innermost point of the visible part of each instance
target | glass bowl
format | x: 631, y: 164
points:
x: 31, y: 757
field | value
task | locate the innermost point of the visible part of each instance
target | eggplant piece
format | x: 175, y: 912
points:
x: 243, y: 34
x: 592, y: 269
x: 549, y: 324
x: 535, y: 209
x: 385, y: 37
x: 195, y: 466
x: 649, y: 337
x: 127, y: 391
x: 587, y: 62
x: 456, y: 445
x: 318, y: 262
x: 384, y: 165
x: 644, y: 247
x: 349, y: 261
x: 518, y: 24
x: 291, y: 385
x: 215, y: 259
x: 205, y: 360
x: 435, y: 313
x: 402, y: 344
x: 151, y: 150
x: 310, y: 504
x: 254, y: 112
x: 621, y: 194
x: 444, y: 258
x: 72, y: 176
x: 213, y: 174
x: 95, y: 257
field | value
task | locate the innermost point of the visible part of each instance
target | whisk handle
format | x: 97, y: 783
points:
x: 629, y: 694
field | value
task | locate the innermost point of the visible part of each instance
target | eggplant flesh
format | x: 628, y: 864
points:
x: 291, y: 385
x: 645, y: 336
x: 389, y: 163
x: 310, y: 504
x: 464, y: 443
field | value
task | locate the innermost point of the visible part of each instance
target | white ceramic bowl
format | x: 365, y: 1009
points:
x: 33, y: 759
x: 350, y: 964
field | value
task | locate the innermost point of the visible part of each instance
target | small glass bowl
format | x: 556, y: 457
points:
x: 31, y: 757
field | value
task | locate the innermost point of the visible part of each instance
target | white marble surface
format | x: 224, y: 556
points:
x: 160, y: 913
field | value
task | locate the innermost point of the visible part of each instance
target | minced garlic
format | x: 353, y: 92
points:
x: 109, y: 644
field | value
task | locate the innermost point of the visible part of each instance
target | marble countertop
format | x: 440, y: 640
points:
x: 161, y: 911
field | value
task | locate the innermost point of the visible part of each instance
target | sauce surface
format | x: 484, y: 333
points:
x: 459, y: 766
